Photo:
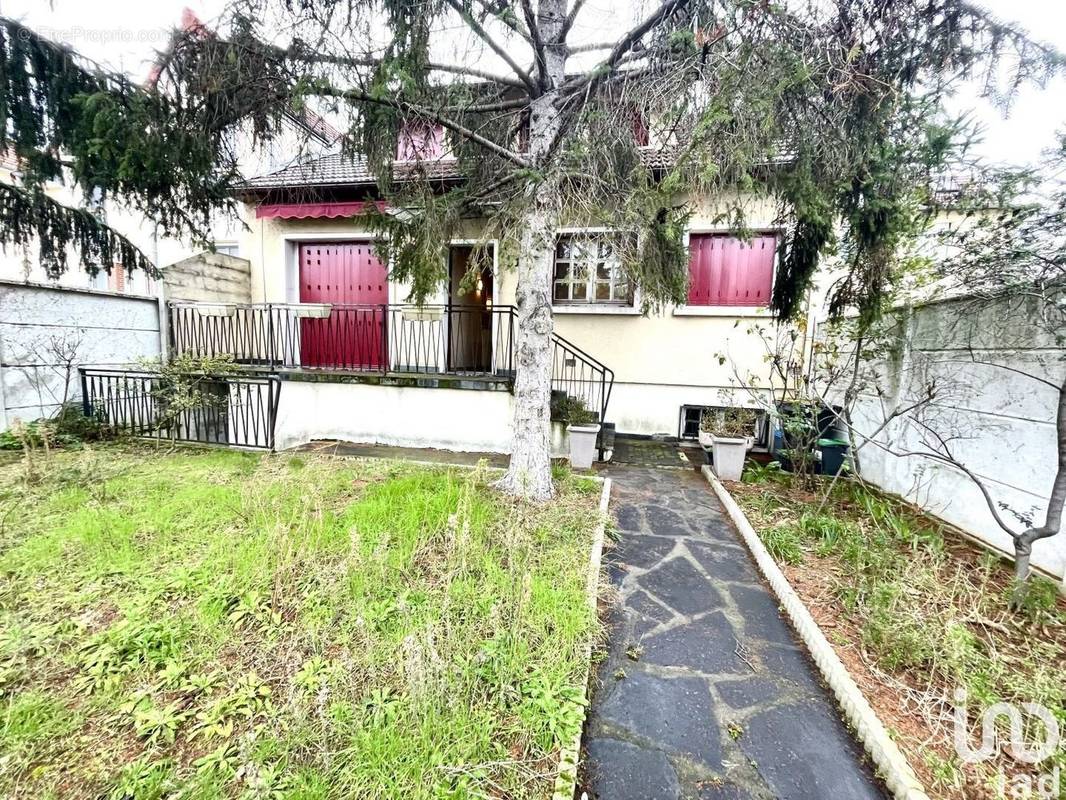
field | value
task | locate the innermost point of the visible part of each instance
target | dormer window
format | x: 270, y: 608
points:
x: 420, y: 140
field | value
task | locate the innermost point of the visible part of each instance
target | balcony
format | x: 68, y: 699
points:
x: 447, y: 345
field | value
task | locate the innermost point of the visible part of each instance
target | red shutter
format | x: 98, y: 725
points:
x: 116, y: 280
x: 354, y: 280
x: 726, y: 271
x: 419, y: 140
x: 640, y: 129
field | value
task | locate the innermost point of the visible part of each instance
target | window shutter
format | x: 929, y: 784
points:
x: 419, y: 140
x: 726, y: 271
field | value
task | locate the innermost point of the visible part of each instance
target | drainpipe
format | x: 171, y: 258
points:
x: 161, y: 301
x: 3, y: 404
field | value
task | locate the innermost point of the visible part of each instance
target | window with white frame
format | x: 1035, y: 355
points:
x: 588, y: 270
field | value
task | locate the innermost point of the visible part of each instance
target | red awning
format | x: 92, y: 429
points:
x: 316, y: 210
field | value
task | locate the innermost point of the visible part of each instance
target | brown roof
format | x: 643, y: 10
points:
x: 339, y: 169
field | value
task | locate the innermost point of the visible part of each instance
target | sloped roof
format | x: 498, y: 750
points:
x: 333, y: 169
x: 316, y: 124
x: 339, y: 169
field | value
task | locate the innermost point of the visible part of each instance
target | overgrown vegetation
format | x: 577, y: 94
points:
x: 69, y: 428
x: 916, y: 611
x: 202, y: 624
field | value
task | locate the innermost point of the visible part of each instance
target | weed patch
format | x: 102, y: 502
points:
x: 916, y: 611
x: 202, y: 624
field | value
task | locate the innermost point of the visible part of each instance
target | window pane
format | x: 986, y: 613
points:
x: 606, y: 249
x: 562, y: 248
x: 603, y: 291
x: 621, y: 291
x: 579, y: 271
x: 562, y: 270
x: 561, y: 290
x: 603, y: 271
x: 580, y: 292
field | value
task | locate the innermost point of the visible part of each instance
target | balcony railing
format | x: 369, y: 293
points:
x: 400, y: 339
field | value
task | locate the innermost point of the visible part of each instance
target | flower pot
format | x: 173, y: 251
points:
x: 582, y: 444
x: 312, y: 310
x: 706, y: 439
x: 729, y: 457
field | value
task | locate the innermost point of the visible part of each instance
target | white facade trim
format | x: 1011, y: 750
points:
x: 753, y: 312
x: 597, y: 308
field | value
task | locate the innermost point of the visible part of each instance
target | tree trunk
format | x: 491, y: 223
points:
x: 529, y: 473
x: 1023, y: 543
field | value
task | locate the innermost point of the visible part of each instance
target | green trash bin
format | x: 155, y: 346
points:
x: 834, y: 454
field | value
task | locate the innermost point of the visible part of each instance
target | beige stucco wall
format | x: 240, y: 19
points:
x: 661, y: 362
x: 208, y: 277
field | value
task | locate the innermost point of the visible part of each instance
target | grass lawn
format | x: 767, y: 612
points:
x: 915, y: 611
x: 205, y: 623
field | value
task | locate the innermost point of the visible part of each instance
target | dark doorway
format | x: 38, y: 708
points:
x: 470, y: 326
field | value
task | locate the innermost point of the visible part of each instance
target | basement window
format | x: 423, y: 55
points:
x: 689, y: 426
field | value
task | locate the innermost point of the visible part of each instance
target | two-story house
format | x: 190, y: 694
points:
x: 356, y: 358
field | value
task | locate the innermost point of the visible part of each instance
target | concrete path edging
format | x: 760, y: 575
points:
x: 898, y: 774
x: 570, y: 753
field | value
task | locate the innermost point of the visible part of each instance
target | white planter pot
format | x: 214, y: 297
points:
x: 729, y: 457
x: 582, y: 445
x: 312, y: 310
x: 706, y: 439
x: 560, y: 440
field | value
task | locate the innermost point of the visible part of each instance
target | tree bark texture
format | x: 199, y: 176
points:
x: 1023, y: 542
x: 529, y: 473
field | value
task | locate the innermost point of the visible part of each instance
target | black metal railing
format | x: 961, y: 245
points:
x: 236, y: 410
x: 429, y: 339
x: 580, y: 376
x: 361, y: 338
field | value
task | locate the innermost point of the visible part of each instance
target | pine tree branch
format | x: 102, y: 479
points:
x: 495, y: 46
x: 495, y: 11
x: 537, y: 42
x: 482, y: 108
x: 368, y: 61
x: 358, y: 95
x: 28, y: 217
x: 627, y: 43
x: 591, y: 48
x: 568, y: 23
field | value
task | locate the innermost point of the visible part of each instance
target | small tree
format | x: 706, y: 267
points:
x: 1010, y: 249
x: 832, y: 111
x: 1004, y: 274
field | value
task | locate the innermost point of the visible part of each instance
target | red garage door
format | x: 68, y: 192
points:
x: 349, y: 276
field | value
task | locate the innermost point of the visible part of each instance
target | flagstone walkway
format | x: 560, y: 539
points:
x: 705, y: 692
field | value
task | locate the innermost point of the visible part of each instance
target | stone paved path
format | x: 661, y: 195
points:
x: 705, y: 692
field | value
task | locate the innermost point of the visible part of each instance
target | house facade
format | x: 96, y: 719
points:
x: 354, y: 352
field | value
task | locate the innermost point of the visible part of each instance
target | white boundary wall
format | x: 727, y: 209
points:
x: 1002, y: 423
x: 104, y: 329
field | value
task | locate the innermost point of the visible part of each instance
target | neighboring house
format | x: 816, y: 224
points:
x: 306, y: 132
x: 324, y: 307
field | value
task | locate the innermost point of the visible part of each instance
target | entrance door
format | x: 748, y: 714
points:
x: 469, y: 313
x: 350, y: 277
